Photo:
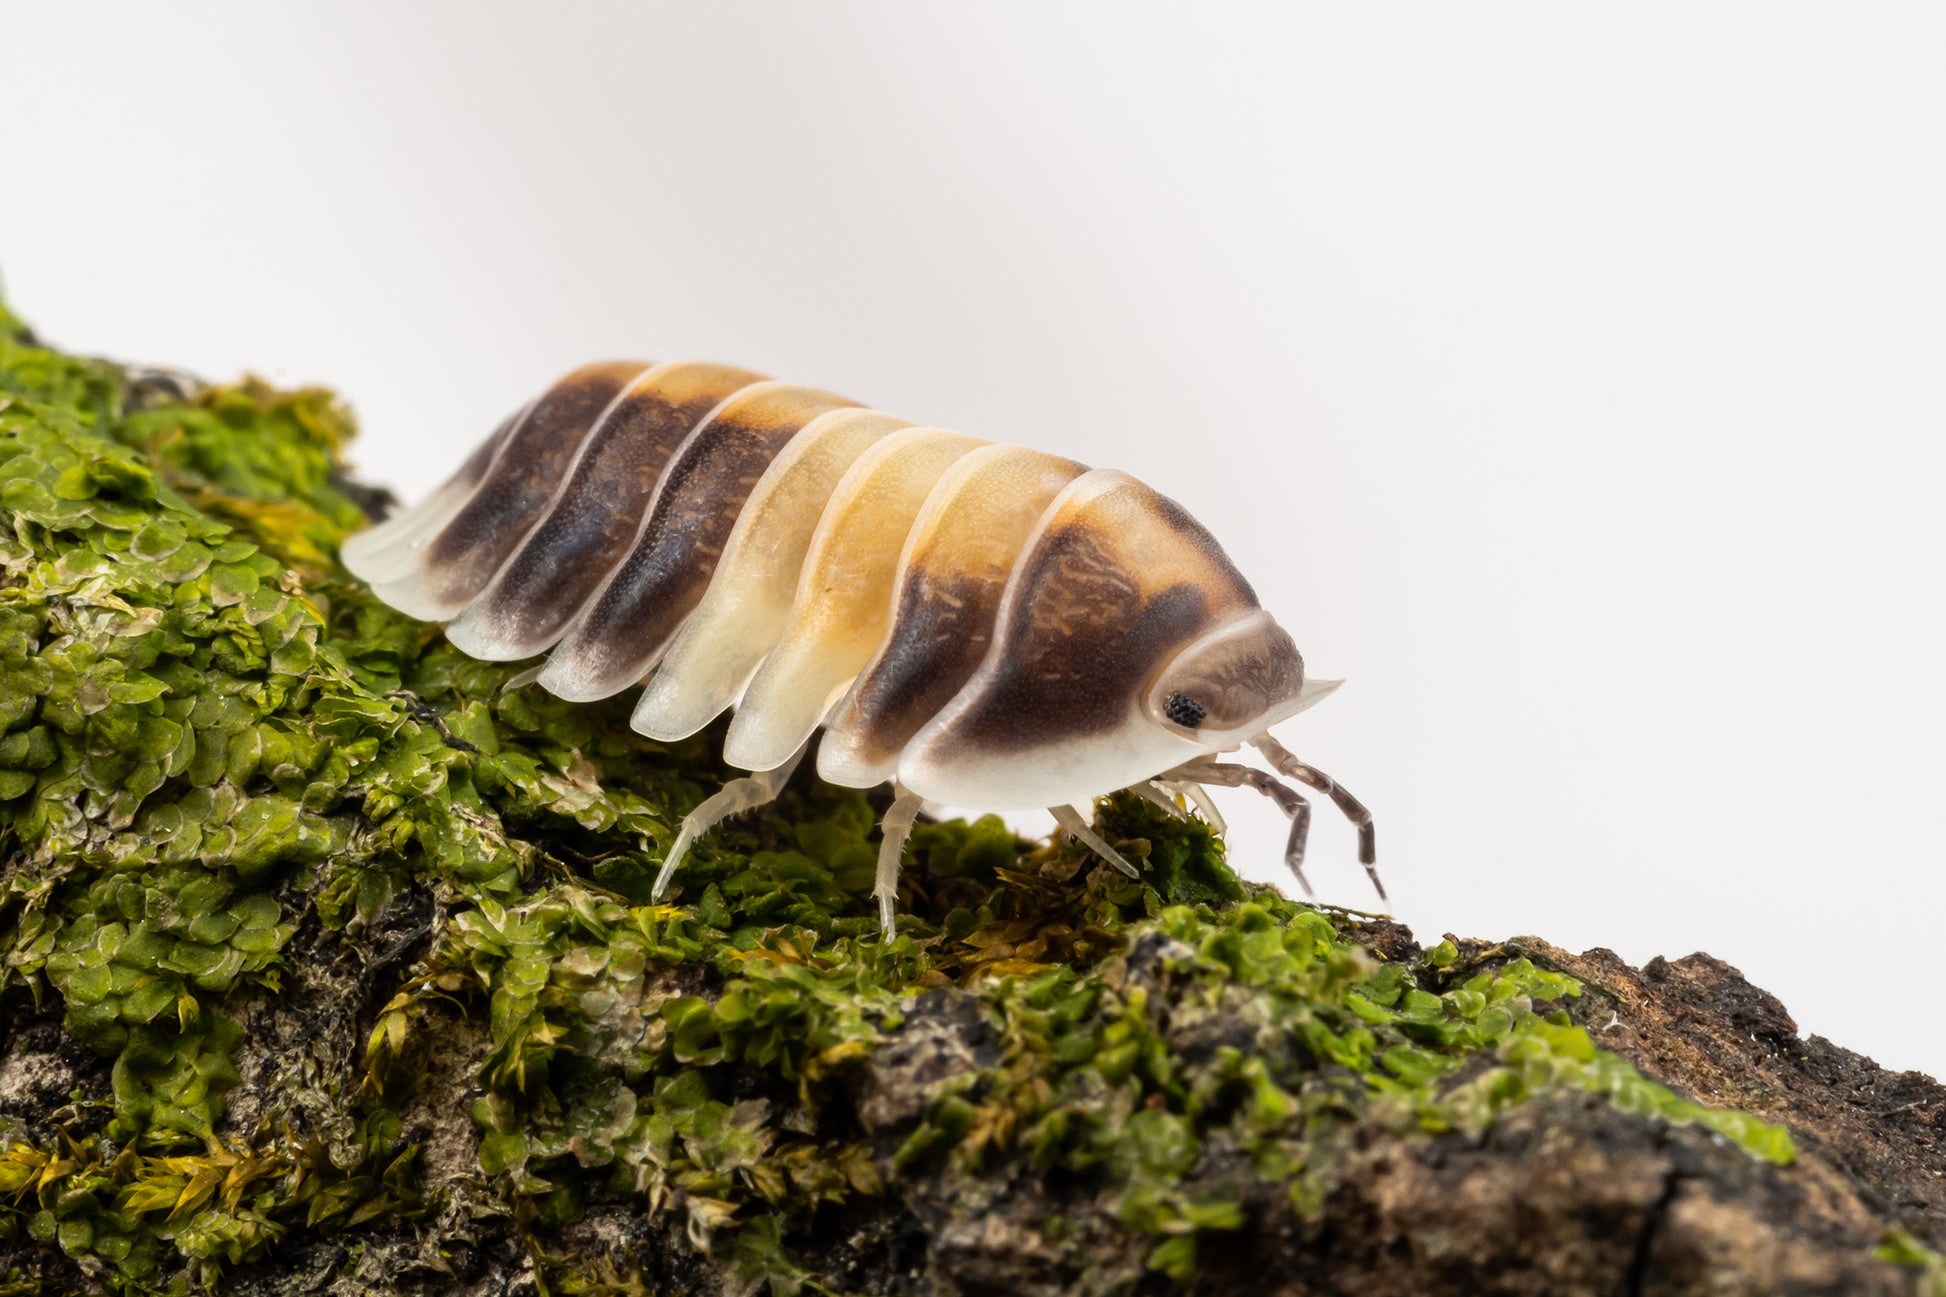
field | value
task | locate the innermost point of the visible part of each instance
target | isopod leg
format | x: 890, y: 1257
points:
x: 1354, y: 810
x: 1288, y: 800
x: 1199, y: 798
x: 896, y: 828
x: 733, y: 798
x: 1073, y: 821
x: 1157, y: 795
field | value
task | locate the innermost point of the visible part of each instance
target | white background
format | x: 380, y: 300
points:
x: 1568, y: 380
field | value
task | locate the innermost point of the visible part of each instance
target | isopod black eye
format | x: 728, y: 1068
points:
x: 1185, y: 711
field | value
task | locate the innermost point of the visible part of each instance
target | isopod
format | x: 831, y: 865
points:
x: 978, y: 624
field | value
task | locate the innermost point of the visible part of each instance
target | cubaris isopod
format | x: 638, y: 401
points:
x: 978, y: 624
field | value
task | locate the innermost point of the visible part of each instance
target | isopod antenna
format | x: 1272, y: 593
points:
x: 1350, y: 807
x: 1227, y: 774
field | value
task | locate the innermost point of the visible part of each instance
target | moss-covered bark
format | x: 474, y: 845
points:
x: 329, y: 966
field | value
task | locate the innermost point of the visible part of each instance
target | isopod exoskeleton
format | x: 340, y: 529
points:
x: 977, y: 624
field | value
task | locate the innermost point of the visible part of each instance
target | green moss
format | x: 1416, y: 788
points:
x: 211, y: 736
x: 1901, y: 1249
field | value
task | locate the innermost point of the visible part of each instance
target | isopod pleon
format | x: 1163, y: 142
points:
x: 977, y: 624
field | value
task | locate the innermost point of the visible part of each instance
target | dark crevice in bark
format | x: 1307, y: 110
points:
x: 1652, y: 1223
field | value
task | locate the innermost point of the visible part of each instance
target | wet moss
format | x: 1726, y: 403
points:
x: 217, y: 748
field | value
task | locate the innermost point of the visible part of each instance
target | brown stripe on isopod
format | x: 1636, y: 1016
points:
x: 1075, y: 682
x: 953, y: 574
x: 514, y: 494
x: 748, y: 603
x: 395, y: 546
x: 623, y: 629
x: 844, y: 594
x: 595, y: 518
x: 1117, y: 579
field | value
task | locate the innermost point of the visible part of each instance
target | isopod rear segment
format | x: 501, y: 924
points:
x: 978, y: 624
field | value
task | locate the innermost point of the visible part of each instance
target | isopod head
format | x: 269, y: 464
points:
x: 1233, y: 684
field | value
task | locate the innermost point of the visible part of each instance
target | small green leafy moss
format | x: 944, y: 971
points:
x: 212, y: 737
x: 1901, y: 1249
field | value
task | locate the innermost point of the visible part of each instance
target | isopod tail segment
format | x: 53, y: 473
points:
x: 975, y: 624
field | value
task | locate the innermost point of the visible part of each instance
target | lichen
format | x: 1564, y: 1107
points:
x: 215, y: 746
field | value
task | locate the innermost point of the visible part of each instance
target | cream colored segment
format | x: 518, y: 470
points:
x: 1071, y: 772
x: 973, y: 525
x: 623, y: 630
x: 390, y: 549
x: 749, y: 599
x: 983, y: 509
x: 844, y: 598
